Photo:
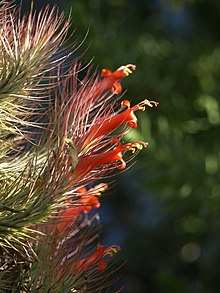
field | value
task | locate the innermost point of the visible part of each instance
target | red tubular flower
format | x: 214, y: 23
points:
x: 88, y: 163
x: 97, y: 258
x: 106, y: 126
x: 111, y: 78
x: 88, y: 201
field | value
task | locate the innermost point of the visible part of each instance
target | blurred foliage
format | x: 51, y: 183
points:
x: 166, y: 213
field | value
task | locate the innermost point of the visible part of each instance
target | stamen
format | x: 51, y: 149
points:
x: 127, y: 69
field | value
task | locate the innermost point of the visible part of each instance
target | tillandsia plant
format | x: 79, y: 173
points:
x: 61, y: 136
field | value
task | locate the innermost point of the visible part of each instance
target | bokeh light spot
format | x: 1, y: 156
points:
x: 190, y: 252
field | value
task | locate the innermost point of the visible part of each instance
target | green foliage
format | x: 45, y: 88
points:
x: 28, y: 136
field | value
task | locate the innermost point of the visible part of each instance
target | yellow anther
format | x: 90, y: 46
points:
x: 132, y: 150
x: 148, y: 103
x: 127, y: 69
x: 139, y: 147
x: 113, y: 250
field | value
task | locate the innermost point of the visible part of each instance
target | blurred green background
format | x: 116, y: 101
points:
x: 165, y: 210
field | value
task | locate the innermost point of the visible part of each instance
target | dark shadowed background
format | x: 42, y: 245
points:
x: 165, y: 211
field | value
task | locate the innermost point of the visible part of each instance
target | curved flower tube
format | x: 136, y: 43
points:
x: 97, y: 258
x: 111, y: 78
x: 107, y: 126
x: 87, y: 163
x: 88, y: 201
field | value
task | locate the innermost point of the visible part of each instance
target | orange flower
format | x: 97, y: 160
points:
x: 111, y: 78
x: 87, y: 163
x: 97, y: 258
x: 88, y: 201
x: 105, y: 126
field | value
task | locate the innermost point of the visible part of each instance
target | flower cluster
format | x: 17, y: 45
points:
x: 61, y: 135
x: 92, y: 148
